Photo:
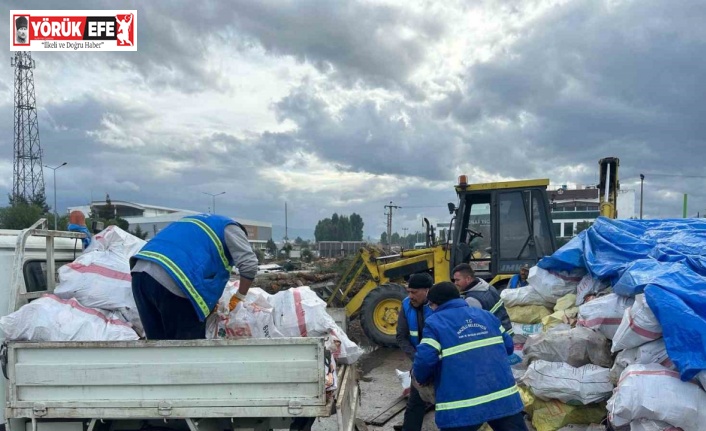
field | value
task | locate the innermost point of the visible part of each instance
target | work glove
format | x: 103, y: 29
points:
x: 235, y: 300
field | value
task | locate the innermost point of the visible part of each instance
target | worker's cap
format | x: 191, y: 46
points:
x: 443, y: 292
x: 21, y: 22
x: 420, y: 281
x: 524, y: 267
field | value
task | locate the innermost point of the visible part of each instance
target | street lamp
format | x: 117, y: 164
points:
x: 56, y: 214
x: 642, y: 182
x: 213, y: 196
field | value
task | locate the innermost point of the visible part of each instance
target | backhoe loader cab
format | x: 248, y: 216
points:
x: 498, y: 227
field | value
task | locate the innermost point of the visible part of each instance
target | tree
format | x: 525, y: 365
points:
x: 260, y: 255
x: 138, y: 232
x: 383, y: 238
x: 287, y: 249
x: 298, y: 240
x: 339, y: 228
x: 271, y: 247
x: 307, y: 255
x: 21, y: 215
x: 356, y: 227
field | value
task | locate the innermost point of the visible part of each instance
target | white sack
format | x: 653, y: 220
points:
x: 588, y: 286
x: 100, y: 277
x: 115, y: 239
x: 650, y: 425
x: 639, y: 326
x: 654, y: 352
x: 701, y: 377
x: 51, y: 318
x: 252, y: 318
x: 527, y: 329
x: 527, y: 295
x: 406, y: 381
x: 651, y: 391
x: 577, y: 347
x: 560, y: 381
x: 604, y: 313
x: 299, y: 312
x: 555, y: 284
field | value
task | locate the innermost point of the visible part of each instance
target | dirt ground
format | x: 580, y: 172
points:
x: 379, y: 385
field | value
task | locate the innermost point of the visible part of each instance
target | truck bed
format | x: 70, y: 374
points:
x: 170, y: 379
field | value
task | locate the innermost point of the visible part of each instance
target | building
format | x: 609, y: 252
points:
x: 573, y: 207
x: 152, y: 219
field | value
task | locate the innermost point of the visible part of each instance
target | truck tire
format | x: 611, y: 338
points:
x: 379, y: 311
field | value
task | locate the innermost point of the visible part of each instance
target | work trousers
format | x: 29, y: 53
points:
x: 515, y: 422
x: 414, y: 414
x: 164, y: 315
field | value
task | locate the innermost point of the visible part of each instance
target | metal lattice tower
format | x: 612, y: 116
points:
x: 28, y: 177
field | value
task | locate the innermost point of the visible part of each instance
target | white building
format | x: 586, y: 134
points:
x: 570, y: 207
x: 152, y: 219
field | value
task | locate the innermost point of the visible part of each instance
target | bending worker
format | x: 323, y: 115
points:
x: 180, y: 274
x: 410, y: 324
x: 478, y: 293
x: 519, y: 280
x: 464, y: 352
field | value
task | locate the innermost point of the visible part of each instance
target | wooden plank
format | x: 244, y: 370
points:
x: 347, y: 399
x: 388, y: 412
x: 360, y: 425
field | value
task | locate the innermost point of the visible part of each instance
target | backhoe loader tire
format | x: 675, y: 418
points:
x: 382, y: 300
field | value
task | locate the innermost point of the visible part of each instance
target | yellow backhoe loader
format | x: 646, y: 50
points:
x: 495, y: 227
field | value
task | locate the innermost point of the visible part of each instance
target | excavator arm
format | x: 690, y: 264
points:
x: 608, y: 187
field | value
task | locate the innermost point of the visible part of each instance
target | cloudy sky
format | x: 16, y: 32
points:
x: 345, y: 106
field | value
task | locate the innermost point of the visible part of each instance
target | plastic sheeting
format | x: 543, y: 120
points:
x: 665, y: 259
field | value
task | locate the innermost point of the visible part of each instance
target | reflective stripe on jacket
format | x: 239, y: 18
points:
x: 464, y: 351
x: 413, y: 321
x: 193, y: 252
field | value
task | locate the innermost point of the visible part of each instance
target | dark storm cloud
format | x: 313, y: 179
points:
x: 360, y: 40
x: 585, y: 81
x: 366, y: 136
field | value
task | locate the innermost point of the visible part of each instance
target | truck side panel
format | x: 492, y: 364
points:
x: 196, y: 378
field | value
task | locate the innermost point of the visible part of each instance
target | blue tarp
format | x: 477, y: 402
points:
x: 665, y: 259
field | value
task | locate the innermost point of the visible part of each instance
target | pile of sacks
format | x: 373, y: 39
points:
x: 295, y: 312
x: 590, y: 356
x: 93, y: 300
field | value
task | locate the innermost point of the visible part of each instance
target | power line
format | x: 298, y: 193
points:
x: 674, y: 175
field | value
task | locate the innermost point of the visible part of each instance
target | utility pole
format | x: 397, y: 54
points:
x: 642, y: 183
x: 56, y: 212
x: 389, y: 209
x: 213, y: 197
x: 286, y: 235
x: 404, y: 229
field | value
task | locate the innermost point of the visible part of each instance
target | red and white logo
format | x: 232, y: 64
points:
x: 73, y: 30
